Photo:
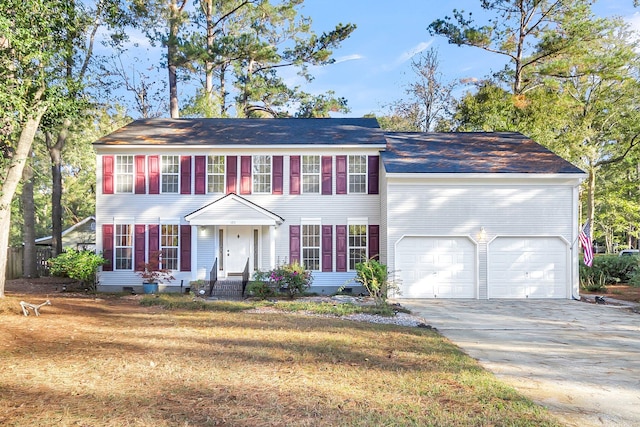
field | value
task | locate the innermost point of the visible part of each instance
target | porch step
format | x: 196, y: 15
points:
x: 227, y: 289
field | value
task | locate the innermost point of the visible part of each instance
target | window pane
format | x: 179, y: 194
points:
x: 170, y: 168
x: 169, y: 246
x: 357, y: 174
x: 124, y: 174
x: 215, y: 174
x: 357, y: 243
x: 261, y: 167
x: 311, y: 174
x: 123, y: 247
x: 311, y: 246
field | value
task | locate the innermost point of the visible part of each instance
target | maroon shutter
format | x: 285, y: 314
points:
x: 372, y: 171
x: 139, y: 247
x: 107, y: 246
x: 327, y: 248
x: 341, y: 174
x: 107, y: 174
x: 154, y: 239
x: 294, y: 243
x: 201, y: 174
x: 374, y: 242
x: 245, y: 174
x: 185, y: 174
x: 141, y: 175
x: 326, y: 175
x: 154, y: 174
x: 185, y: 248
x: 232, y: 174
x: 294, y: 175
x: 278, y: 178
x: 341, y: 248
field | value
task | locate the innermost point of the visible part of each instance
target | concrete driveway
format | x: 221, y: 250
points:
x: 580, y: 360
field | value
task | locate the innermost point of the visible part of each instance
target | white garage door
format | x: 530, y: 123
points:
x: 436, y: 267
x: 527, y: 268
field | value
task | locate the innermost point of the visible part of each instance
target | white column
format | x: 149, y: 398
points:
x: 194, y: 252
x: 272, y: 246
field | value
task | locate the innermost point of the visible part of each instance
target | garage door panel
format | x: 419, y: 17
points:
x: 538, y: 270
x: 445, y: 267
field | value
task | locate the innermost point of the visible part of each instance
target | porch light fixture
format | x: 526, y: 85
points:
x: 483, y: 234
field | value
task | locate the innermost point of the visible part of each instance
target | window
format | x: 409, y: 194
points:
x: 170, y: 171
x: 261, y: 174
x: 311, y: 174
x: 169, y: 246
x: 124, y: 247
x: 357, y: 244
x: 124, y: 174
x: 215, y: 174
x: 357, y: 174
x: 311, y: 246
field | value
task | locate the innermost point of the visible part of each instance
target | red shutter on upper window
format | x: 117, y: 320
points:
x: 232, y: 174
x: 107, y: 246
x: 185, y: 174
x: 141, y: 175
x: 294, y: 175
x: 341, y: 174
x: 139, y: 247
x: 374, y: 242
x: 341, y: 248
x: 201, y: 174
x: 327, y: 248
x: 154, y: 239
x: 107, y: 174
x: 326, y: 175
x: 294, y: 243
x: 245, y: 174
x: 278, y: 179
x: 373, y: 170
x: 185, y: 248
x: 154, y: 174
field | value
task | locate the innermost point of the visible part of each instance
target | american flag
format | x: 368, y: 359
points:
x: 585, y: 242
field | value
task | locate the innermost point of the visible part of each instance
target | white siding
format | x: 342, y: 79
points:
x: 458, y: 208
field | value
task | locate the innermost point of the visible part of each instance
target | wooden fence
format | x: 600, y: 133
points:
x: 15, y: 260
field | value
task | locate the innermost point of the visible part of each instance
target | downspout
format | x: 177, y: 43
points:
x: 575, y: 252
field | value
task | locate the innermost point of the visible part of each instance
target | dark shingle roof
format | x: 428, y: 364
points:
x: 247, y: 132
x: 470, y: 152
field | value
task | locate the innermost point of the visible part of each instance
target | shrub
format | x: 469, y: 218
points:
x: 291, y: 279
x: 374, y: 276
x: 260, y: 289
x: 608, y: 270
x: 77, y: 265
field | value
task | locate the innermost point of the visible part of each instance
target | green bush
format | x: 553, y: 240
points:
x: 260, y: 289
x: 77, y: 265
x: 291, y: 279
x: 609, y: 270
x: 374, y: 276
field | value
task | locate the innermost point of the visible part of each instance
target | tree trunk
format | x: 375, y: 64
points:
x: 172, y: 55
x: 55, y: 154
x: 29, y: 263
x: 10, y: 185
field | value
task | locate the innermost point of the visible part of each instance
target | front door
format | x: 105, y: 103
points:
x: 238, y: 249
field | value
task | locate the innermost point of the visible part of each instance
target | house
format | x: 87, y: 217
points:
x: 453, y: 215
x: 80, y: 236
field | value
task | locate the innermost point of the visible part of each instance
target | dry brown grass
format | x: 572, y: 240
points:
x: 112, y: 362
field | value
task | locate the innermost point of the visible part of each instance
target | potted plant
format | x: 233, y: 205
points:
x: 152, y: 274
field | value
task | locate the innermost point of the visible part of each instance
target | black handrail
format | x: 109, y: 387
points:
x: 245, y: 277
x: 213, y: 276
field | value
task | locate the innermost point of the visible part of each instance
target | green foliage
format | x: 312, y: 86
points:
x: 609, y: 270
x: 374, y: 277
x: 77, y: 265
x: 291, y: 279
x: 185, y: 302
x: 260, y: 288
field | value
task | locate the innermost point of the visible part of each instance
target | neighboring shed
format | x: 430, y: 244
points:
x: 81, y: 236
x: 479, y: 215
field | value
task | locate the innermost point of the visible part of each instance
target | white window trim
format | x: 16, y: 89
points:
x: 365, y: 223
x: 303, y: 174
x: 162, y: 174
x: 366, y: 173
x: 317, y: 222
x: 117, y: 174
x: 160, y: 247
x: 132, y: 236
x: 253, y: 175
x: 224, y: 174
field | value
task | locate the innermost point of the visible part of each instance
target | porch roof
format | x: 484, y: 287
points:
x: 233, y: 210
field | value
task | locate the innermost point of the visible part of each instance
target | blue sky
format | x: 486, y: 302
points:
x: 373, y: 66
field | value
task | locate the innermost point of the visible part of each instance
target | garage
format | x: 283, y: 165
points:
x: 436, y: 267
x: 527, y: 267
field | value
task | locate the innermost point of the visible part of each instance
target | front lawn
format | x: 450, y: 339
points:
x: 111, y: 361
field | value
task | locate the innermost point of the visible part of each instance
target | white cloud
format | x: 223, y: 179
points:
x: 634, y: 22
x: 407, y: 55
x: 354, y: 57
